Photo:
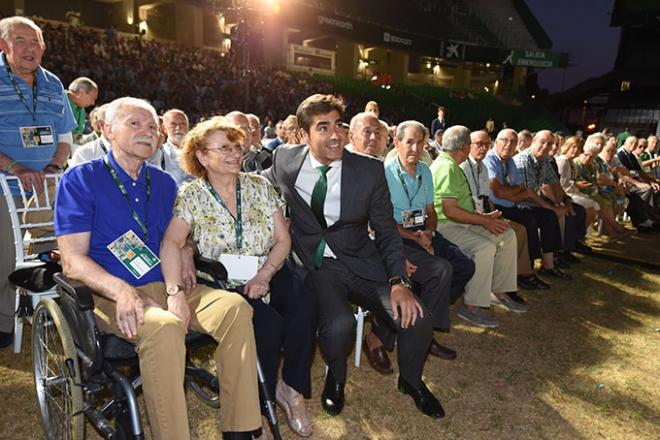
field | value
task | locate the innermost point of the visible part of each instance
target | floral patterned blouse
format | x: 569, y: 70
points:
x: 212, y: 226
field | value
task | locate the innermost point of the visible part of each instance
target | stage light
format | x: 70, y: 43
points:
x: 428, y: 64
x: 533, y: 96
x: 591, y: 127
x: 272, y: 6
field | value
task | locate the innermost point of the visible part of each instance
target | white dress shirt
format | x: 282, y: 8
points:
x: 307, y: 178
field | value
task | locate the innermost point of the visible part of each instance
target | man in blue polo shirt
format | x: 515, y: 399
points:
x: 35, y: 134
x: 111, y: 215
x: 440, y: 268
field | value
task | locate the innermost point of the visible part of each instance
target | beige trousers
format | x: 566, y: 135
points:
x: 160, y: 345
x: 494, y: 258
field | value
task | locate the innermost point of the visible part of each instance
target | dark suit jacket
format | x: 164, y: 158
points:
x: 628, y: 160
x: 365, y: 200
x: 436, y: 125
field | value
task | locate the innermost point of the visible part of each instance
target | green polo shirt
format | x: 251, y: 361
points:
x: 449, y: 182
x: 79, y: 115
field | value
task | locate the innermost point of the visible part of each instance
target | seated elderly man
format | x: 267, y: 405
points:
x: 521, y: 204
x: 437, y: 266
x: 478, y: 179
x: 110, y: 217
x: 536, y: 172
x: 485, y: 237
x: 644, y: 186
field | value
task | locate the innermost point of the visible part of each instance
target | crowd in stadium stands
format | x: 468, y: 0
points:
x: 376, y: 212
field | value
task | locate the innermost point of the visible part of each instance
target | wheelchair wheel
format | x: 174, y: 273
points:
x: 203, y: 379
x: 56, y: 370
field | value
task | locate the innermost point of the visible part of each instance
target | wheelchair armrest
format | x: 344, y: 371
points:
x: 211, y: 267
x: 77, y: 290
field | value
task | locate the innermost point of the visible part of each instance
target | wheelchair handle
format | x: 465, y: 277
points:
x: 213, y: 268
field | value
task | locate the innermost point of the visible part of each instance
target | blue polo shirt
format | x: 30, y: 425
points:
x: 88, y: 200
x: 53, y: 110
x: 495, y: 168
x: 420, y: 188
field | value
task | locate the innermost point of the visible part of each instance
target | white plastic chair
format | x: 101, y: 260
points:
x: 24, y: 242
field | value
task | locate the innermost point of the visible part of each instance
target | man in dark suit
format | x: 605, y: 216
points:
x: 334, y: 196
x: 439, y: 123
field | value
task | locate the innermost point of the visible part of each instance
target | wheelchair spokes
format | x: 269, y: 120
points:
x: 56, y: 373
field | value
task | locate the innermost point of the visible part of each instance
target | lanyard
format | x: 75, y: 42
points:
x: 103, y: 147
x: 143, y: 225
x: 238, y: 221
x: 12, y: 78
x: 405, y: 186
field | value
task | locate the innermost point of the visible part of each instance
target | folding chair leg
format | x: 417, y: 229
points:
x: 359, y: 317
x: 18, y: 327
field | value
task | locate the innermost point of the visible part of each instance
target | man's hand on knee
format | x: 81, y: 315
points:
x: 401, y: 297
x: 130, y: 312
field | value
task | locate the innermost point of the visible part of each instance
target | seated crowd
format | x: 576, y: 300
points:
x: 319, y: 218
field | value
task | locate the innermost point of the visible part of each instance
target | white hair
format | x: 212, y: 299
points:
x: 83, y: 84
x: 401, y: 128
x: 455, y: 138
x: 114, y: 110
x: 359, y: 117
x: 7, y: 24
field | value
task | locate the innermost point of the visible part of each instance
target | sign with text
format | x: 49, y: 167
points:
x: 535, y: 58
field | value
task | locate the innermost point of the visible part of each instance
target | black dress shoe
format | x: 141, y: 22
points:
x: 441, y: 351
x: 235, y: 435
x: 424, y: 400
x: 582, y: 248
x: 540, y: 284
x: 527, y: 282
x: 378, y: 358
x: 332, y: 398
x: 555, y: 273
x: 569, y: 257
x: 6, y: 339
x: 561, y: 263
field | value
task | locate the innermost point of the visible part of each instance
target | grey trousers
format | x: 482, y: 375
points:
x: 7, y: 265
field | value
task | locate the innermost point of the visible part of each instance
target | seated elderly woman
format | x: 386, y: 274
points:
x: 237, y: 219
x: 586, y: 170
x: 608, y: 180
x: 579, y: 190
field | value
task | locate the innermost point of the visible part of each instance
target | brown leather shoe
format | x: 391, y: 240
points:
x: 378, y: 359
x: 441, y: 351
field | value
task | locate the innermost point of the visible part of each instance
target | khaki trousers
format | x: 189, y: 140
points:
x: 494, y: 258
x: 525, y: 267
x: 160, y: 345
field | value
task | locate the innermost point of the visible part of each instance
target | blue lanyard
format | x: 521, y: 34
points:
x: 405, y: 186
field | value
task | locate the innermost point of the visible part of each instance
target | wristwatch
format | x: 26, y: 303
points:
x: 173, y: 290
x: 404, y: 281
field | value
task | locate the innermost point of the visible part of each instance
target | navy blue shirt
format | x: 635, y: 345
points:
x: 88, y: 200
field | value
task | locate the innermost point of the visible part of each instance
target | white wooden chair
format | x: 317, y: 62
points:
x: 360, y: 314
x: 32, y: 228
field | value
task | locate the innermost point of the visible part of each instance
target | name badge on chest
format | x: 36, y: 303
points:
x: 38, y: 136
x: 412, y: 218
x: 133, y: 254
x: 240, y: 267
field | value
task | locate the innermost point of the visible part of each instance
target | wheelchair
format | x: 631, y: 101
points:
x: 81, y: 373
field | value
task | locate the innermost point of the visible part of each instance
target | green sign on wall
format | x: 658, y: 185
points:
x: 535, y: 58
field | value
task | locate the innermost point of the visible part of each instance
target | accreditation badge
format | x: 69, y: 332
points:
x: 240, y: 267
x: 37, y: 136
x: 136, y: 256
x: 412, y: 218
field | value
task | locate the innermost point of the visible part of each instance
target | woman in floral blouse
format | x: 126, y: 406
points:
x: 237, y: 218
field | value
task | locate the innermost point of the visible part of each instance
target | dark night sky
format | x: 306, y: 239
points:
x: 581, y: 28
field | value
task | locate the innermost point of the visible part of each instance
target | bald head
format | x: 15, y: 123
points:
x: 175, y: 124
x: 364, y: 133
x: 479, y: 144
x: 542, y: 143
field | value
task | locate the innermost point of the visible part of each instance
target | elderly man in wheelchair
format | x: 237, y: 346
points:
x: 110, y: 216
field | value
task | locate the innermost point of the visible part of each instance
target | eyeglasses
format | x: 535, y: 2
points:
x: 226, y: 149
x: 481, y: 144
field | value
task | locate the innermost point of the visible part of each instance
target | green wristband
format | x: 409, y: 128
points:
x: 10, y: 166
